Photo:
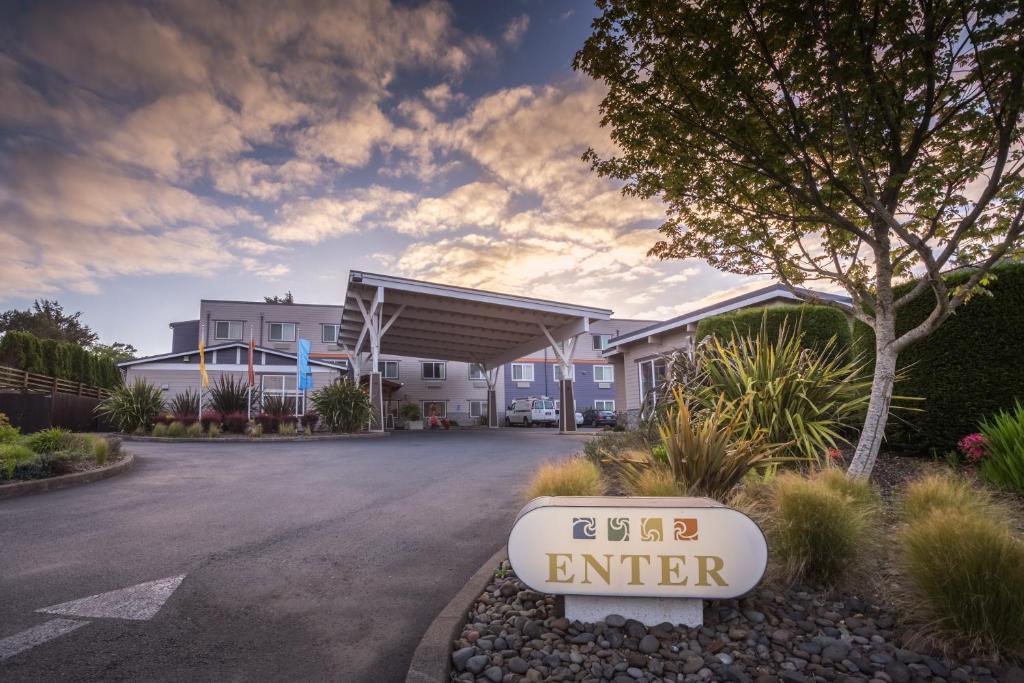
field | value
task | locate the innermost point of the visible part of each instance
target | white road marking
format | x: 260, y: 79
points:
x: 37, y: 635
x: 141, y: 601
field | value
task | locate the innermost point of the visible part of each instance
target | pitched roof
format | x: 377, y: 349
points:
x: 219, y: 347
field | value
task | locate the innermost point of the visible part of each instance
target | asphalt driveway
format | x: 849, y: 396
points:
x: 310, y: 561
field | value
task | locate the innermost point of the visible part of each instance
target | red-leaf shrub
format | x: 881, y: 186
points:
x: 236, y: 423
x: 187, y: 420
x: 209, y: 417
x: 310, y: 419
x: 165, y: 419
x: 268, y: 422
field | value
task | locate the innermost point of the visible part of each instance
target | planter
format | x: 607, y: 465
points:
x: 414, y: 424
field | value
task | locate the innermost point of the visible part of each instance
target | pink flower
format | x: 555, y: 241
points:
x: 834, y: 454
x: 973, y: 446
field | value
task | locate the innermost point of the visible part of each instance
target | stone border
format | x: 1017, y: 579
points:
x: 432, y: 660
x: 250, y: 439
x: 66, y: 480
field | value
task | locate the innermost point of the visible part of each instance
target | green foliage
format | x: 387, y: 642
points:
x: 133, y: 407
x: 13, y: 456
x: 819, y: 327
x: 176, y: 430
x: 343, y: 406
x: 50, y: 440
x: 945, y: 492
x: 966, y: 370
x: 194, y: 430
x: 574, y: 477
x: 287, y: 429
x: 965, y: 571
x: 8, y: 432
x: 609, y: 446
x: 213, y: 430
x: 47, y: 320
x: 1004, y: 434
x: 653, y: 481
x: 62, y: 360
x: 410, y: 412
x: 804, y: 400
x: 229, y: 395
x: 277, y: 406
x: 816, y: 529
x: 100, y: 449
x: 160, y: 429
x: 185, y: 404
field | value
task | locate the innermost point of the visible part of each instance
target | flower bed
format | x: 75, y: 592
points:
x: 52, y: 453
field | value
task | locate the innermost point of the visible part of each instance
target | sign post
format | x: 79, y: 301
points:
x: 649, y: 559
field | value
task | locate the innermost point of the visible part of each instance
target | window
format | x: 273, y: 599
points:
x: 604, y: 373
x: 604, y: 405
x: 477, y: 408
x: 388, y: 369
x: 522, y: 372
x: 557, y: 371
x: 433, y: 370
x: 476, y: 371
x: 284, y: 387
x: 329, y: 333
x: 227, y: 329
x: 282, y: 332
x: 652, y: 374
x: 439, y: 408
x: 601, y: 341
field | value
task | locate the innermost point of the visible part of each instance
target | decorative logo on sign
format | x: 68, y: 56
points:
x: 618, y: 528
x: 651, y: 529
x: 685, y: 528
x: 584, y: 528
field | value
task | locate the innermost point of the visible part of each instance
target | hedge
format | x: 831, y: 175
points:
x: 71, y: 362
x: 967, y: 369
x: 818, y: 323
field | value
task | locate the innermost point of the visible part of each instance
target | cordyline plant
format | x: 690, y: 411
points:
x: 836, y: 141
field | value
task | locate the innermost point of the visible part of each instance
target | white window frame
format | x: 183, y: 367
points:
x: 323, y: 329
x: 284, y: 391
x: 557, y: 366
x: 600, y: 341
x: 283, y: 326
x: 599, y: 402
x: 229, y: 323
x: 524, y: 367
x: 423, y: 370
x: 482, y: 373
x: 609, y: 368
x: 481, y: 404
x: 425, y: 409
x: 382, y: 368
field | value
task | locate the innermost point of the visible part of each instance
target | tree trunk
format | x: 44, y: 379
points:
x: 878, y: 407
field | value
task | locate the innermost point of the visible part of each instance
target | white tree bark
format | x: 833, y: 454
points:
x: 871, y: 437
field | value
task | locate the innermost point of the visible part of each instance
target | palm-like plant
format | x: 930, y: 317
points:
x: 343, y: 406
x: 133, y: 406
x: 229, y: 395
x: 185, y: 405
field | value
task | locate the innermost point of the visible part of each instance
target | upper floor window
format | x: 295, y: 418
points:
x: 604, y: 373
x: 601, y: 341
x: 522, y: 372
x: 557, y: 372
x: 433, y: 370
x: 476, y: 371
x: 329, y: 333
x: 281, y: 332
x: 388, y: 369
x: 227, y: 329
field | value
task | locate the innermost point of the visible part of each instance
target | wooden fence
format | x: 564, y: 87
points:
x: 12, y: 378
x: 33, y: 402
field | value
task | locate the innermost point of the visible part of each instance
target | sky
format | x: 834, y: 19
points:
x: 153, y: 154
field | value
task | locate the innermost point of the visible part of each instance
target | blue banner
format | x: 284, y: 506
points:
x: 305, y: 375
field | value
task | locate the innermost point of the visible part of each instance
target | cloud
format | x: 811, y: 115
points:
x: 314, y: 220
x: 515, y: 29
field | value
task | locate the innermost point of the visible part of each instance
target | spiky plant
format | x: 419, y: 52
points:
x: 185, y: 406
x: 1004, y: 439
x: 229, y: 395
x: 133, y: 406
x: 343, y: 406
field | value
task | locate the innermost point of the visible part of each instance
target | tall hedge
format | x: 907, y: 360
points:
x: 819, y: 324
x: 969, y: 368
x: 71, y: 362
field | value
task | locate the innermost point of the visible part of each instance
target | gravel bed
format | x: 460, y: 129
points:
x: 772, y: 635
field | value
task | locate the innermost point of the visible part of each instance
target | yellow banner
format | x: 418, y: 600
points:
x: 202, y: 364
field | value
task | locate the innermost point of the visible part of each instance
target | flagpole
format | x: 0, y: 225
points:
x: 202, y: 351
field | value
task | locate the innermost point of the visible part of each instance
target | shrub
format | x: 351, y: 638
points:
x: 100, y: 450
x: 208, y: 419
x: 945, y: 492
x: 12, y: 457
x: 254, y: 429
x: 821, y: 327
x: 286, y: 429
x: 235, y: 423
x: 8, y: 433
x: 160, y: 429
x: 974, y: 447
x: 655, y: 481
x: 343, y: 406
x: 815, y: 530
x: 176, y: 429
x: 164, y: 419
x: 63, y: 360
x: 310, y: 421
x: 609, y: 446
x: 213, y: 430
x: 133, y: 406
x: 965, y: 570
x: 48, y: 440
x: 1004, y: 439
x: 185, y: 406
x: 268, y: 423
x: 229, y: 395
x: 966, y: 369
x: 56, y: 464
x: 574, y: 477
x: 277, y: 406
x: 410, y: 412
x: 859, y: 490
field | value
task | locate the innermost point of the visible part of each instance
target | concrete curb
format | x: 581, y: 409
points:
x: 251, y: 439
x: 66, y: 480
x: 432, y: 660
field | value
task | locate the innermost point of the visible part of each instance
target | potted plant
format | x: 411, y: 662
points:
x: 410, y: 414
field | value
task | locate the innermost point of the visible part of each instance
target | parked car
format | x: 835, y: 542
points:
x: 530, y: 411
x: 579, y: 419
x: 605, y: 418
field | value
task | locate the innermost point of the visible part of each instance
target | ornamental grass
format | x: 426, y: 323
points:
x: 946, y: 492
x: 574, y: 477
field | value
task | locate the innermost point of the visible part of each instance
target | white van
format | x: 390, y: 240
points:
x: 530, y: 411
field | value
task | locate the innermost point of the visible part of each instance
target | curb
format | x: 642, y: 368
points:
x: 251, y: 439
x: 66, y: 480
x: 432, y: 660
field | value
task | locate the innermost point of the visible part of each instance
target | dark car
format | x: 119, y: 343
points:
x: 605, y: 418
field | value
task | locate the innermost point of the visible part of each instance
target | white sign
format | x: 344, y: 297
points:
x: 637, y: 547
